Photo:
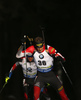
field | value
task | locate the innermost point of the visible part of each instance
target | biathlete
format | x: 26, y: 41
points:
x: 29, y: 75
x: 43, y: 57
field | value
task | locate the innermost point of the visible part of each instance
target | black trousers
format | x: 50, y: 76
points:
x: 48, y: 77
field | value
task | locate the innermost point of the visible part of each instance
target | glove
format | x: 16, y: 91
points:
x: 6, y: 79
x: 60, y: 59
x: 23, y: 41
x: 48, y: 84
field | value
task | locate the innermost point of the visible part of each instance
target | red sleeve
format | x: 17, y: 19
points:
x: 29, y: 49
x: 14, y: 66
x: 52, y: 50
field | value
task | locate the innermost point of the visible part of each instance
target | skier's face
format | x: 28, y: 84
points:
x: 30, y: 58
x: 40, y: 49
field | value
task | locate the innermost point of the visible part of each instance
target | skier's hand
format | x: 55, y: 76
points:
x: 6, y: 79
x: 23, y: 41
x: 59, y: 57
x: 48, y: 84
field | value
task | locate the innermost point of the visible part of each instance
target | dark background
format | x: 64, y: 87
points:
x: 62, y: 22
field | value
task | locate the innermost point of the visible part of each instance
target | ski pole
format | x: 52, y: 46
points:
x: 42, y: 28
x: 25, y: 53
x: 30, y: 40
x: 66, y: 73
x: 6, y: 80
x: 3, y: 87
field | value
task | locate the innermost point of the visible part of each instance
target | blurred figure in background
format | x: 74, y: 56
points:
x: 29, y: 74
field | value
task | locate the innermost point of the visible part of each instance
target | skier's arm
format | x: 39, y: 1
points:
x: 21, y: 53
x: 13, y: 68
x: 11, y: 71
x: 56, y: 54
x: 59, y: 57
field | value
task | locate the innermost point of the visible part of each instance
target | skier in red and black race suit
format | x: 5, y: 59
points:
x: 43, y: 57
